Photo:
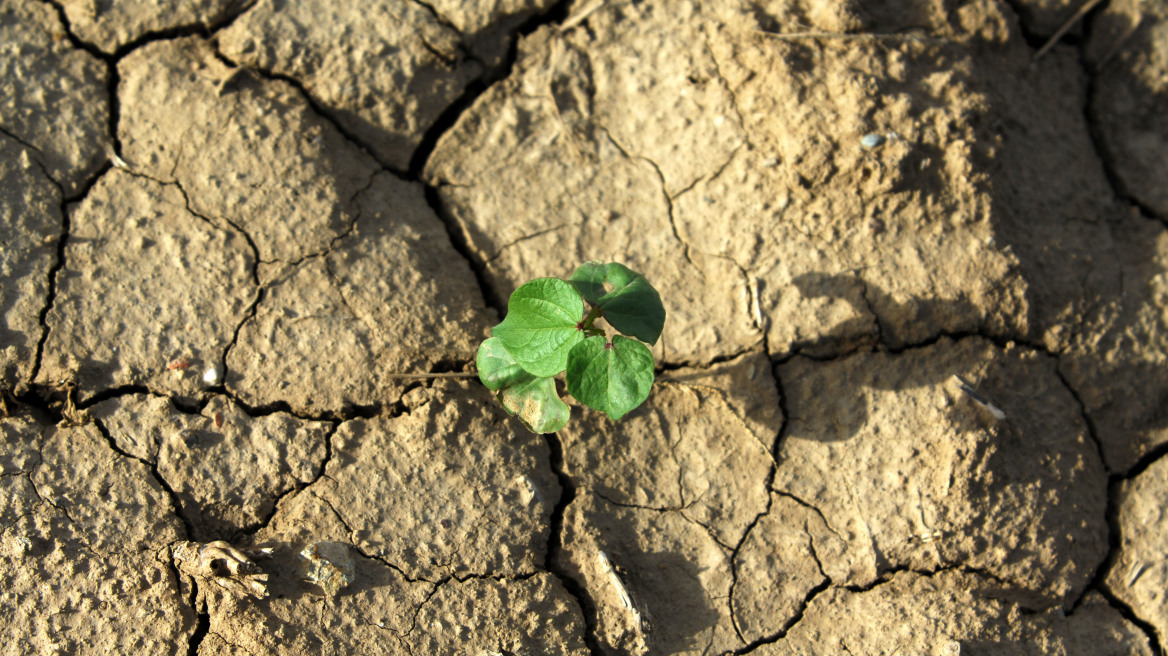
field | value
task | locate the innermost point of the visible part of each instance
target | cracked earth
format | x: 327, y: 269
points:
x: 912, y: 391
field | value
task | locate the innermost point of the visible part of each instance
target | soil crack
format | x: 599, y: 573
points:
x: 69, y: 518
x: 664, y: 194
x: 461, y: 243
x: 734, y: 564
x: 1095, y: 129
x: 1148, y: 629
x: 315, y: 106
x: 787, y: 626
x: 555, y: 545
x: 299, y: 486
x: 202, y: 621
x: 355, y: 544
x: 175, y: 506
x: 438, y: 16
x: 446, y: 121
x: 59, y: 264
x: 518, y: 240
x: 812, y: 508
x: 13, y: 136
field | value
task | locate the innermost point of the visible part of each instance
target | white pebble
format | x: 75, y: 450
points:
x: 211, y: 376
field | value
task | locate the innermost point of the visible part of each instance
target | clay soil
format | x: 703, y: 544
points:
x: 912, y: 394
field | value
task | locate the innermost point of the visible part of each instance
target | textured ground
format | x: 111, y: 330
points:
x: 228, y: 227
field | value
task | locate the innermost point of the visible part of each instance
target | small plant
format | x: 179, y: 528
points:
x: 547, y: 332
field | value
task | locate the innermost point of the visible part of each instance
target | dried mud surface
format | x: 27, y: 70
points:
x: 913, y: 387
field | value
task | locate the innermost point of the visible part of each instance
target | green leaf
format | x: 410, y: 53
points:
x: 542, y: 325
x: 537, y: 405
x: 497, y: 369
x: 626, y: 299
x: 611, y: 377
x: 588, y: 279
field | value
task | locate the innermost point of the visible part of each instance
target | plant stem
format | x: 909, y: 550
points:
x: 586, y: 325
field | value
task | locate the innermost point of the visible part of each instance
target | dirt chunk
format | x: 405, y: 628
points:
x: 912, y: 471
x: 1129, y: 52
x: 779, y: 565
x: 247, y: 151
x: 1139, y: 574
x: 30, y: 226
x: 484, y: 616
x: 384, y: 73
x: 392, y: 296
x: 921, y: 233
x: 382, y: 613
x: 488, y: 27
x: 673, y: 92
x: 369, y: 616
x: 82, y: 534
x: 947, y: 614
x: 226, y: 468
x: 111, y: 25
x: 699, y: 446
x: 658, y: 581
x: 145, y: 284
x: 21, y: 448
x: 449, y: 487
x: 114, y: 501
x: 1118, y: 361
x: 53, y: 96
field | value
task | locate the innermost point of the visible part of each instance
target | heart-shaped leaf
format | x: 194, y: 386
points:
x: 537, y: 405
x: 542, y: 325
x: 613, y: 377
x: 497, y: 368
x: 588, y: 279
x: 626, y: 299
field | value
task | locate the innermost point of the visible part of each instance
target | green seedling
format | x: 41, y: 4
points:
x: 547, y: 333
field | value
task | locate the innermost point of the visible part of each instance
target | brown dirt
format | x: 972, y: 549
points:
x: 913, y: 394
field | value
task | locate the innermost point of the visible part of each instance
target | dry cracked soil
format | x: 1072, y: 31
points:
x: 912, y: 393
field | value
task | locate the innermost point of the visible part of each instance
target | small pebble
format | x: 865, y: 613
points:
x: 871, y: 140
x: 189, y: 437
x: 329, y: 565
x: 211, y: 376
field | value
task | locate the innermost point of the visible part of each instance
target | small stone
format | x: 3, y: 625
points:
x: 188, y: 437
x: 872, y: 140
x: 329, y: 565
x: 212, y: 376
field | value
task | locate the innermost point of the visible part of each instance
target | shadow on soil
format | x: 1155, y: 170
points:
x: 667, y: 595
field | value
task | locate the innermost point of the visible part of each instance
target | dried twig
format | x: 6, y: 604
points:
x: 874, y: 36
x: 450, y: 374
x: 1087, y: 6
x: 581, y: 16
